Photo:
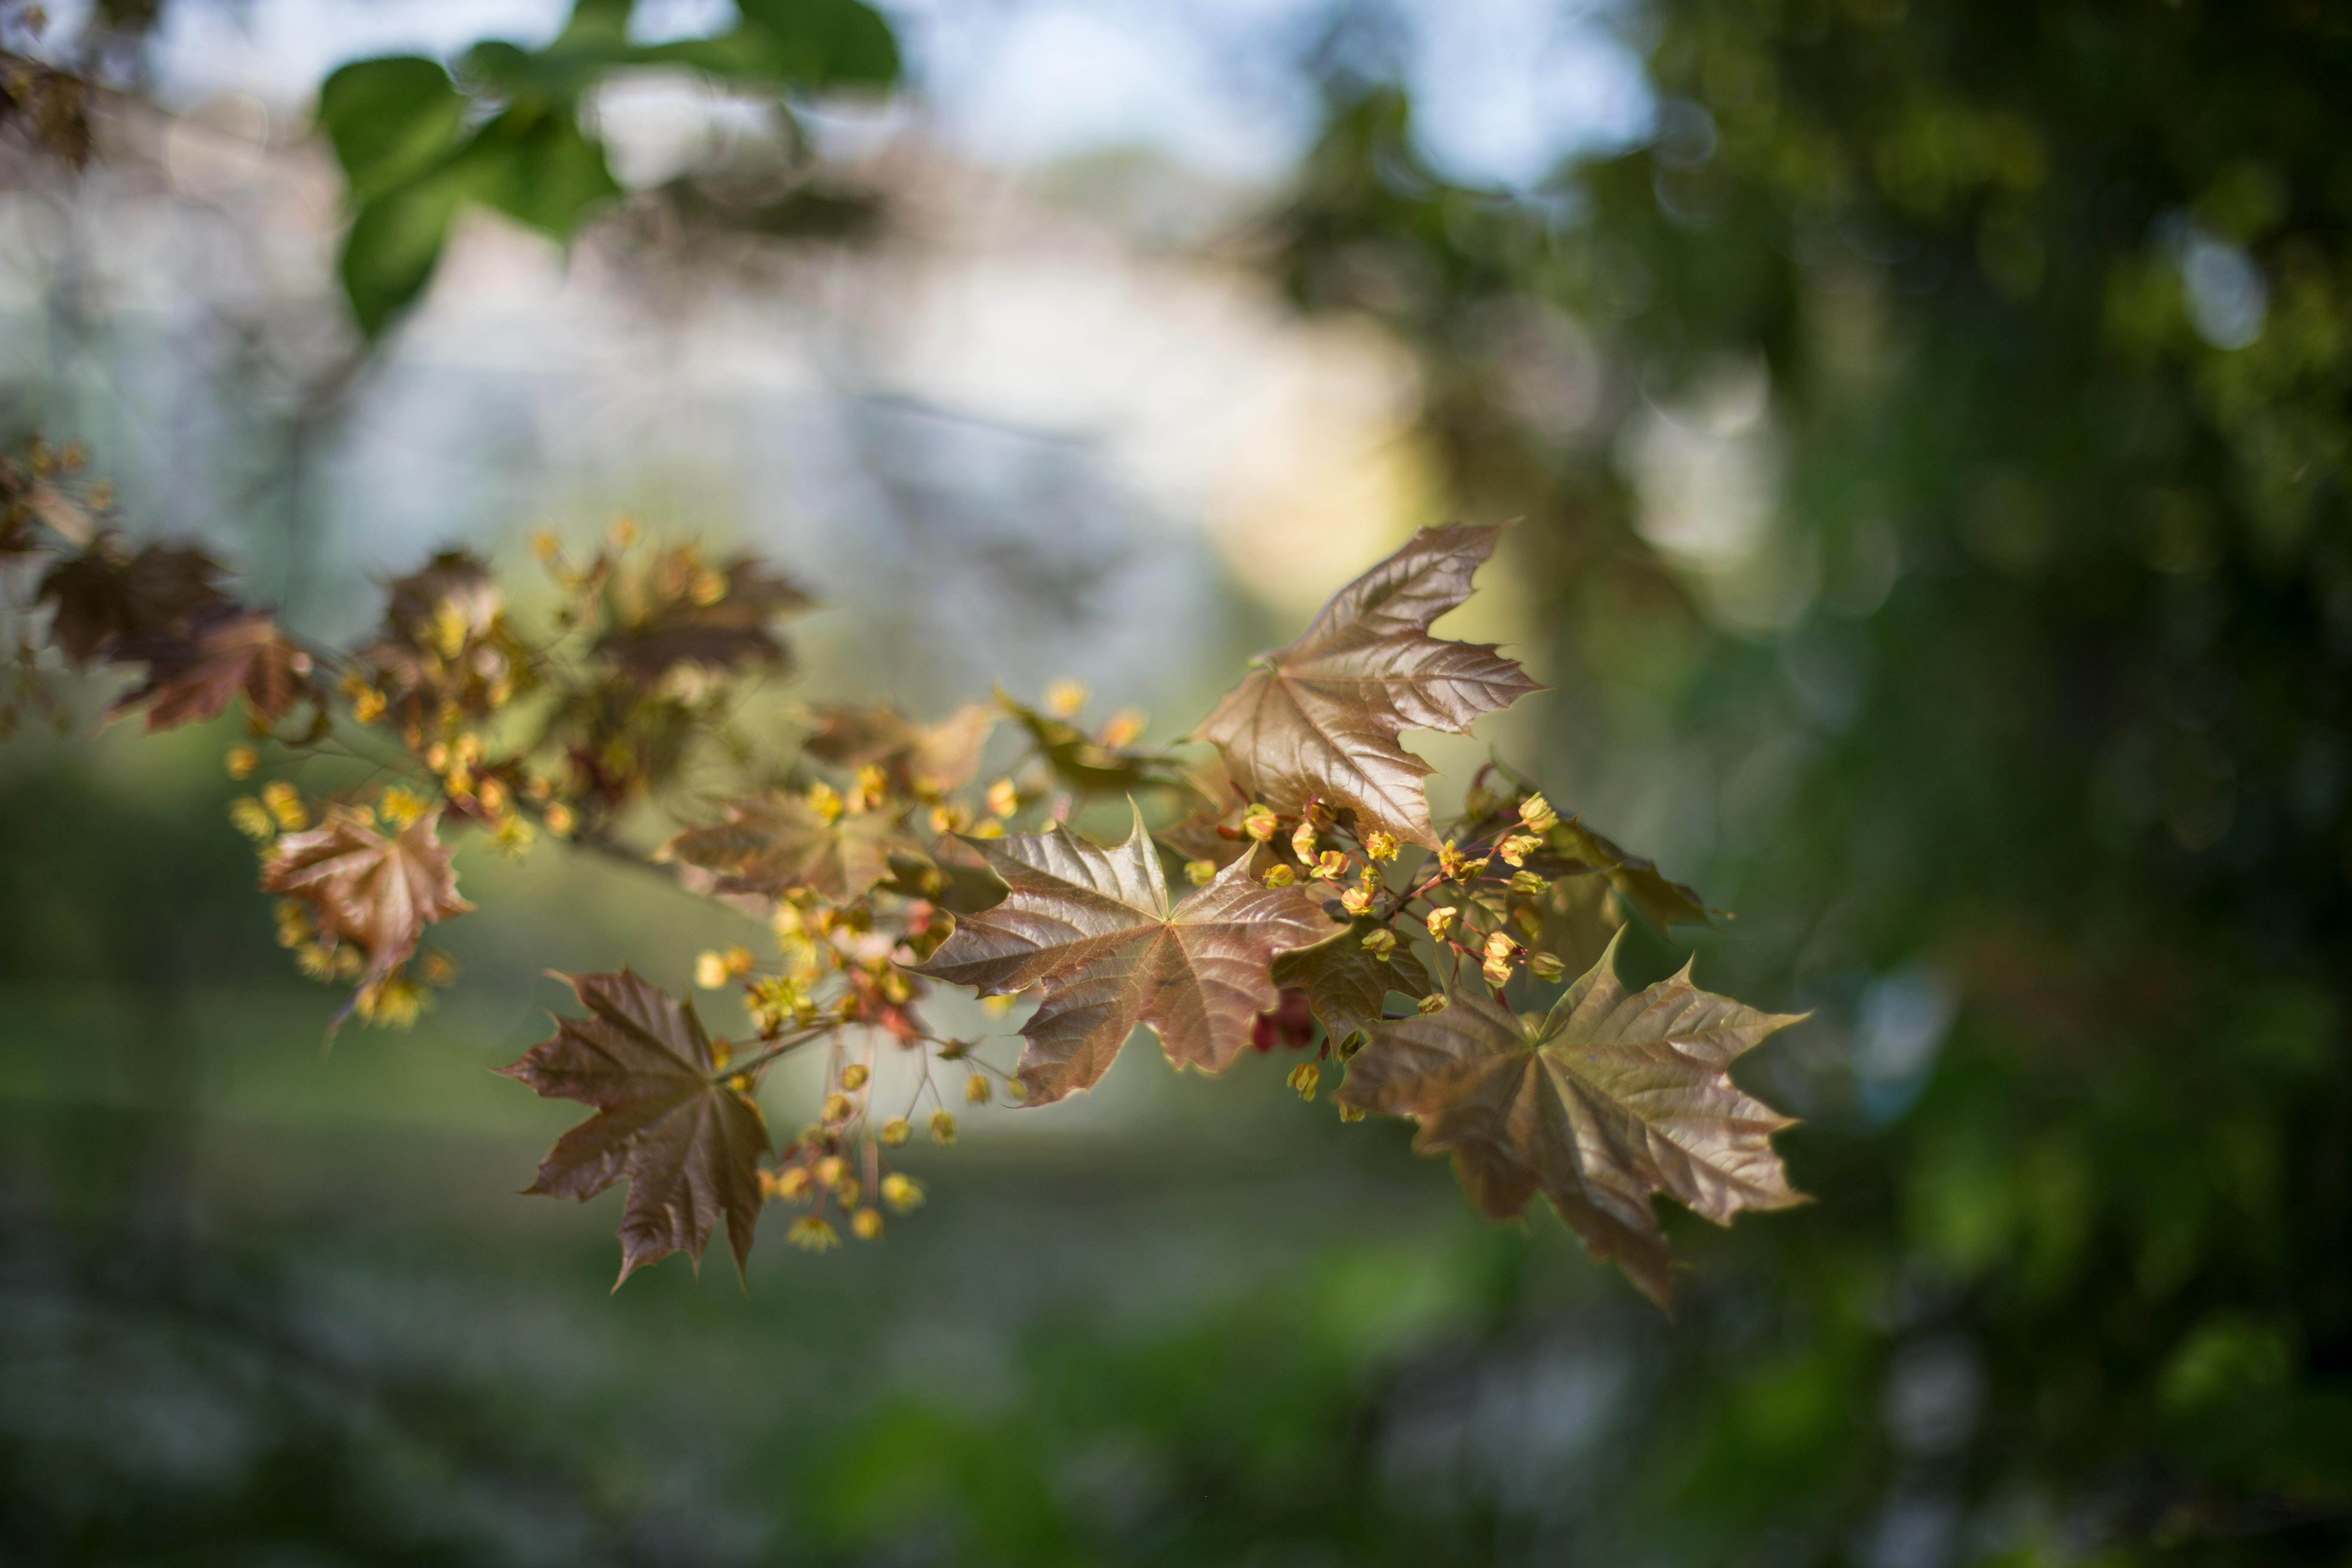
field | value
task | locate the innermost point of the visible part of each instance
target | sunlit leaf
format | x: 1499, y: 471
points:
x: 669, y: 1120
x: 375, y: 889
x: 1093, y: 930
x: 192, y: 680
x: 1346, y: 984
x: 1319, y: 720
x: 773, y: 844
x: 1611, y: 1098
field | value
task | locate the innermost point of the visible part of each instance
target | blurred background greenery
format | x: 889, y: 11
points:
x: 1928, y: 423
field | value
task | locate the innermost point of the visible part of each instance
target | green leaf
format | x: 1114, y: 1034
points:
x: 389, y: 120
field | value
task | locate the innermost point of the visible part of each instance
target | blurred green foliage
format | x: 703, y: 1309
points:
x: 417, y: 140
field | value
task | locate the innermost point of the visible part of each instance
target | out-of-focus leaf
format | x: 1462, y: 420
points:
x: 958, y: 889
x: 774, y: 844
x: 1084, y: 763
x: 106, y: 601
x: 1346, y: 984
x: 193, y: 679
x: 717, y: 620
x: 1289, y: 1022
x: 389, y: 120
x: 668, y: 1117
x: 827, y: 43
x: 376, y: 890
x: 396, y: 240
x: 1319, y: 720
x: 1608, y: 1099
x: 535, y: 164
x: 1571, y: 849
x: 1093, y: 930
x: 929, y: 759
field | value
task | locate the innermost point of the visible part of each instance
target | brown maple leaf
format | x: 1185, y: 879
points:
x: 1319, y: 720
x: 192, y: 679
x: 376, y: 890
x: 1346, y: 984
x: 107, y: 599
x: 719, y: 620
x: 1608, y: 1099
x: 687, y: 1137
x: 769, y: 845
x: 1092, y: 928
x: 929, y: 759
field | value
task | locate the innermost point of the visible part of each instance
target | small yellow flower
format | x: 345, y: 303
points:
x: 368, y: 705
x: 1435, y: 1001
x: 895, y: 1132
x: 810, y: 1234
x: 1122, y: 728
x: 437, y: 967
x: 827, y: 1172
x: 866, y: 1224
x: 1527, y: 884
x: 902, y: 1191
x: 514, y: 836
x: 975, y: 1088
x: 1381, y: 845
x: 838, y: 1107
x: 1546, y: 966
x: 795, y: 1184
x: 1004, y: 798
x: 942, y: 1128
x: 1305, y: 1078
x: 1064, y: 698
x: 285, y: 803
x: 825, y: 801
x: 1199, y: 873
x: 401, y: 806
x: 1519, y: 846
x: 251, y: 817
x: 1352, y: 1113
x: 315, y: 962
x: 1355, y: 901
x: 710, y: 971
x: 1499, y: 945
x: 1379, y: 942
x: 1302, y: 843
x: 1538, y: 814
x: 241, y: 761
x: 872, y: 786
x: 1279, y: 875
x: 1442, y: 919
x: 559, y: 820
x: 1330, y: 866
x: 1259, y: 823
x: 989, y: 828
x: 543, y: 547
x: 852, y: 1077
x: 951, y: 817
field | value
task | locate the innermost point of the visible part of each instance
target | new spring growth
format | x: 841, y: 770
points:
x: 1004, y: 798
x: 1279, y: 875
x: 975, y: 1088
x: 1515, y: 850
x: 1379, y: 942
x: 839, y: 1108
x: 1441, y: 919
x: 1304, y: 1078
x: 894, y: 1132
x: 1302, y: 843
x: 867, y: 1225
x: 942, y: 1128
x: 810, y: 1234
x: 1546, y: 967
x: 1538, y: 814
x: 1381, y: 845
x: 1330, y: 866
x: 285, y: 803
x: 1064, y: 698
x: 1259, y: 824
x: 1527, y: 885
x: 241, y: 761
x: 1435, y: 1001
x: 1199, y: 873
x: 902, y: 1191
x: 852, y: 1077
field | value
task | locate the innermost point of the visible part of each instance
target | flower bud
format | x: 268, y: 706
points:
x: 1546, y: 966
x: 1527, y: 885
x: 1515, y: 850
x: 866, y: 1224
x: 1004, y: 798
x: 1064, y: 698
x: 1305, y: 1078
x: 1441, y: 919
x: 1435, y: 1001
x: 1538, y: 814
x: 902, y: 1191
x: 1302, y: 843
x: 1279, y: 875
x: 1199, y: 873
x: 1381, y: 845
x: 895, y: 1132
x: 838, y: 1107
x: 942, y: 1128
x: 241, y: 761
x: 975, y: 1088
x: 1379, y: 942
x: 710, y: 971
x: 1259, y: 823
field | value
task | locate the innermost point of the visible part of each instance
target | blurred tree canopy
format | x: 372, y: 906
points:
x: 2050, y: 629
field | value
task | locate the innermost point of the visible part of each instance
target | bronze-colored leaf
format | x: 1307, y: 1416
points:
x: 1319, y: 720
x: 376, y: 890
x: 688, y: 1138
x: 772, y: 843
x: 1084, y: 763
x: 687, y: 613
x: 107, y: 599
x: 1347, y: 983
x: 1609, y: 1099
x: 1570, y: 848
x: 929, y: 760
x: 1092, y: 928
x: 192, y: 680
